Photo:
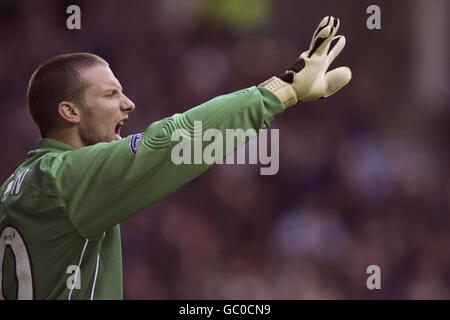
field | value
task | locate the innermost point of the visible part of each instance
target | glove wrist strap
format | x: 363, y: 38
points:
x: 283, y: 90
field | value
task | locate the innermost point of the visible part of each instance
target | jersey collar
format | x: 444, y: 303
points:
x: 47, y: 144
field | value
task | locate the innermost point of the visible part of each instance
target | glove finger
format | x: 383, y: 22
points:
x: 325, y: 45
x: 325, y: 22
x: 336, y: 46
x: 336, y: 79
x: 336, y: 25
x: 318, y: 43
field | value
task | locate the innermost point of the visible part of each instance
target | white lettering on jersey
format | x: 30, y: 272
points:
x: 15, y: 185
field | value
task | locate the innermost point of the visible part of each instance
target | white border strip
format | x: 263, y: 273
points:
x: 95, y: 277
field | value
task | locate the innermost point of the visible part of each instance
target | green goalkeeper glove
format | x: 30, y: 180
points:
x: 308, y: 79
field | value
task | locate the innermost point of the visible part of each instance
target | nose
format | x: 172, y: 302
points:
x: 126, y: 104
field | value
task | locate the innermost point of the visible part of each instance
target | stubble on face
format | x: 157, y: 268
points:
x: 88, y: 131
x: 95, y: 126
x: 89, y: 135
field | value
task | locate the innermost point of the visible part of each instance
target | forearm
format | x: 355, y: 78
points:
x: 252, y: 108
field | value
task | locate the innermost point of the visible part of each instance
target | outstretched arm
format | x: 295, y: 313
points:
x: 106, y: 183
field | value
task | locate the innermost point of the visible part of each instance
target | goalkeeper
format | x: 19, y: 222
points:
x: 60, y: 210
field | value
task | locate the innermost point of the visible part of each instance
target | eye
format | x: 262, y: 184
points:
x: 111, y: 93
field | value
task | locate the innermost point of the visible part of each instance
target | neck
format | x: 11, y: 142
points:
x: 67, y: 135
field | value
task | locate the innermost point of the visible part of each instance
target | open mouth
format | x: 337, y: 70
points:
x: 118, y: 128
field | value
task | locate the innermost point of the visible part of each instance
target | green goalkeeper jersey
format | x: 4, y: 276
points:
x: 60, y: 210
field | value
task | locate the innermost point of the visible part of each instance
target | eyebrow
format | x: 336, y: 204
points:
x: 113, y: 87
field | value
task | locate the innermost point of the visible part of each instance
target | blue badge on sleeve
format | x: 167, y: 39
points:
x: 135, y: 142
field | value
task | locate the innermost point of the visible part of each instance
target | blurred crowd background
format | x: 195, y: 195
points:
x: 364, y: 175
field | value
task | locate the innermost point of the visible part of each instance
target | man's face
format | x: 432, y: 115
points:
x: 105, y: 108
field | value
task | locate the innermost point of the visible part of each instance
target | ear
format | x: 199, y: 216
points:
x: 69, y: 111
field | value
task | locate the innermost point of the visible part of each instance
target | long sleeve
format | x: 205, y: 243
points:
x: 106, y: 183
